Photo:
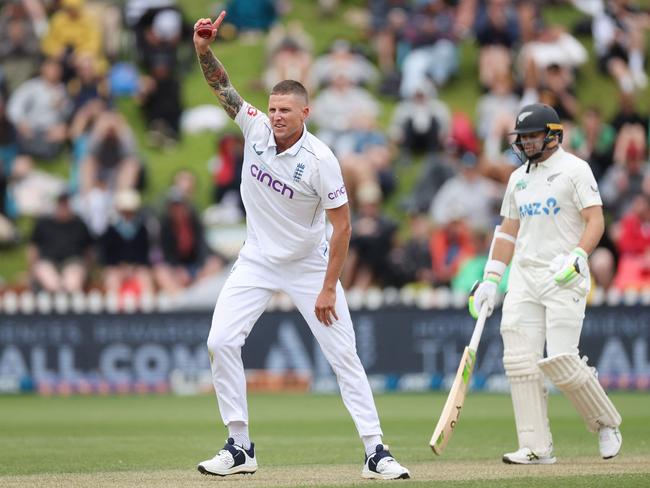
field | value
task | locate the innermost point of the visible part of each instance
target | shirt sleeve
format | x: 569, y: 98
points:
x: 248, y: 117
x: 586, y: 192
x: 329, y: 183
x: 509, y: 205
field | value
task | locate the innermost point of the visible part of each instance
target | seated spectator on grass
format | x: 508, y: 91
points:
x: 186, y: 258
x: 410, y: 262
x: 432, y: 41
x: 332, y: 107
x: 226, y: 167
x: 112, y: 160
x: 420, y: 123
x: 365, y: 155
x: 593, y: 141
x: 289, y: 61
x: 387, y: 19
x: 551, y: 45
x: 73, y: 31
x: 342, y: 60
x: 160, y: 90
x: 451, y: 245
x: 371, y: 241
x: 557, y: 91
x: 124, y: 248
x: 87, y: 84
x: 252, y: 16
x: 60, y: 250
x: 498, y: 103
x: 625, y: 180
x: 496, y: 33
x: 38, y: 109
x: 471, y: 270
x: 619, y: 42
x: 468, y: 192
x: 19, y: 46
x: 633, y: 243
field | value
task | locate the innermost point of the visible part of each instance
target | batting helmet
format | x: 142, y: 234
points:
x: 536, y: 117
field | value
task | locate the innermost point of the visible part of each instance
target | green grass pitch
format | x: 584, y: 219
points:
x: 302, y: 440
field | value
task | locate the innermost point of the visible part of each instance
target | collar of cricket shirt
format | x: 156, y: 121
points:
x: 293, y: 150
x: 553, y: 159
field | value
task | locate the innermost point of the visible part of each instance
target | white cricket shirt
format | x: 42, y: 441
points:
x: 285, y: 194
x: 547, y: 202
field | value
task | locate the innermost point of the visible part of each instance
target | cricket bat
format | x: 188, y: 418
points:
x: 454, y: 404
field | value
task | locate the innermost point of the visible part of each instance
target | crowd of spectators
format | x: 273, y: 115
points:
x: 63, y: 63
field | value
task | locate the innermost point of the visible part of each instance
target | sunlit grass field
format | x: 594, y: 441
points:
x: 121, y: 441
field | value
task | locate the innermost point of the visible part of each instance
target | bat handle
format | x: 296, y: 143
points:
x: 478, y: 328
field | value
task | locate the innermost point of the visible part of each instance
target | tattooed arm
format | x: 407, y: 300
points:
x: 216, y: 76
x: 214, y: 72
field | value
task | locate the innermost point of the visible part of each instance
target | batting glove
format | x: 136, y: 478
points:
x: 483, y: 294
x: 570, y: 270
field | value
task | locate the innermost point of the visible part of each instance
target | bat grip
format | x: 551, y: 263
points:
x: 478, y: 328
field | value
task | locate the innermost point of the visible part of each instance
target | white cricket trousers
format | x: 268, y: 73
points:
x: 542, y: 311
x: 247, y: 291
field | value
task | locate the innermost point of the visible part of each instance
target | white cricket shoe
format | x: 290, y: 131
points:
x: 527, y: 456
x: 610, y: 441
x: 232, y: 459
x: 383, y: 466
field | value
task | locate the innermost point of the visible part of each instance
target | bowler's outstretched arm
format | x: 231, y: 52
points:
x: 214, y: 72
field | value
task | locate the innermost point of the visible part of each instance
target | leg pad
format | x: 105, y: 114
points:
x: 579, y: 383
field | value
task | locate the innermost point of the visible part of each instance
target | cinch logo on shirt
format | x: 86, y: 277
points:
x: 537, y: 208
x: 335, y: 194
x: 265, y: 178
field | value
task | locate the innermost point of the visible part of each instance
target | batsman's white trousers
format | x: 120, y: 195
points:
x: 247, y: 291
x: 544, y: 312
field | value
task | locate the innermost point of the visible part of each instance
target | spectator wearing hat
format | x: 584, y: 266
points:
x: 186, y: 257
x: 125, y: 248
x: 60, y: 250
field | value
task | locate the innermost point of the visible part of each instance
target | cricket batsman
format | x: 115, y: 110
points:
x: 552, y: 220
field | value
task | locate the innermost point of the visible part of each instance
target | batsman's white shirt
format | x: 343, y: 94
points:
x: 547, y: 201
x: 285, y: 194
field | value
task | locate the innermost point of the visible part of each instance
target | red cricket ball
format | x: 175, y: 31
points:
x: 204, y: 31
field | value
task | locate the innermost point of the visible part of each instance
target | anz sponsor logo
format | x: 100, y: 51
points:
x: 266, y: 179
x: 333, y: 195
x: 538, y: 208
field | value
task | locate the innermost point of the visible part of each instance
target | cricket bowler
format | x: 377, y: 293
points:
x: 290, y: 182
x: 552, y: 220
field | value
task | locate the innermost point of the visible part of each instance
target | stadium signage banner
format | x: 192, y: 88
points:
x: 401, y: 348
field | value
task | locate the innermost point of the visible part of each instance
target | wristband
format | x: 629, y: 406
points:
x: 493, y: 278
x: 494, y: 266
x: 581, y: 252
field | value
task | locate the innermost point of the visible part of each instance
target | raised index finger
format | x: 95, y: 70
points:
x: 218, y: 20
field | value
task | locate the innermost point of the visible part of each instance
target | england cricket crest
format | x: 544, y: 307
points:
x: 297, y: 173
